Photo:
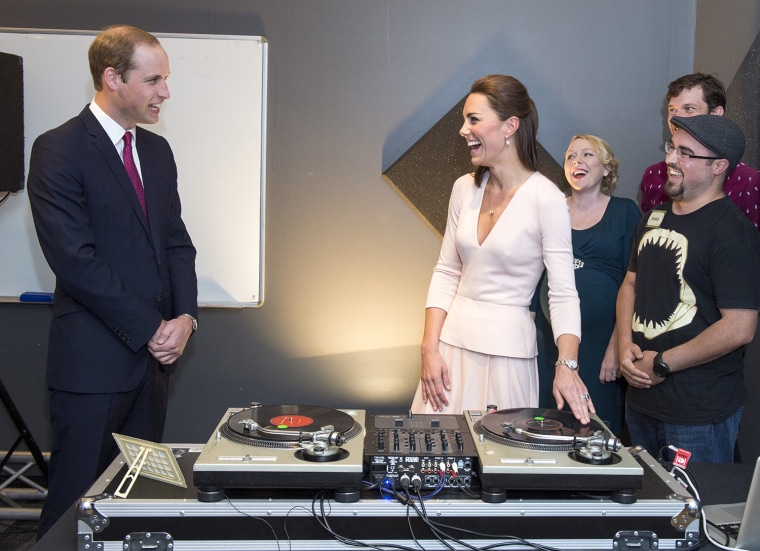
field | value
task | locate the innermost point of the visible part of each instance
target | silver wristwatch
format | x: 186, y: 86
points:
x: 571, y: 364
x: 193, y: 319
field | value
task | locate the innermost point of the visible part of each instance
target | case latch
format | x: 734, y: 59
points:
x: 152, y: 541
x: 641, y: 540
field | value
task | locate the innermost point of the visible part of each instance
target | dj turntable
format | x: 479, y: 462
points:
x: 546, y: 449
x: 283, y: 446
x: 570, y: 486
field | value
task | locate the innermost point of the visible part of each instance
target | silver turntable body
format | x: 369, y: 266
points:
x: 527, y: 450
x: 288, y: 450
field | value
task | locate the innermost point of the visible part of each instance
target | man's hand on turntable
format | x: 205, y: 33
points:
x: 569, y: 388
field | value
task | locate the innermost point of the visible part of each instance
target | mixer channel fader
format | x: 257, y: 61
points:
x: 434, y: 450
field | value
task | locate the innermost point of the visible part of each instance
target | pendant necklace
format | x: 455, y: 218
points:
x: 490, y: 200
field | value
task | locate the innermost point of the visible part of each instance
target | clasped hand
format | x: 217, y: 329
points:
x: 636, y: 366
x: 168, y: 343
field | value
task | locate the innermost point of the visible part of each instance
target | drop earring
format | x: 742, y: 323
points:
x: 506, y: 140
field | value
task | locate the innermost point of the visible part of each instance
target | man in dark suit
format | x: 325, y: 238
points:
x: 125, y: 300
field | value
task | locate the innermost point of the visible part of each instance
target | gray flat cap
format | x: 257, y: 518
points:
x: 718, y: 134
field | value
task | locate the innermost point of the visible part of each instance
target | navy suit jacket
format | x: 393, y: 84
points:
x: 117, y: 274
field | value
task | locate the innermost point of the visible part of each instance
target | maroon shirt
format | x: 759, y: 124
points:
x: 742, y: 186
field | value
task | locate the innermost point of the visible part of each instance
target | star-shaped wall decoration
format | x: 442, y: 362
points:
x: 425, y: 173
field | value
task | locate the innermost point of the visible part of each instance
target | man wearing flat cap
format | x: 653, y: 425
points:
x: 689, y: 302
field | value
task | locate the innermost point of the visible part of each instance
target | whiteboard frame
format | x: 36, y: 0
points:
x: 208, y: 295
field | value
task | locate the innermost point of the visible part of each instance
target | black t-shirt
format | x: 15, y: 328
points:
x: 688, y: 267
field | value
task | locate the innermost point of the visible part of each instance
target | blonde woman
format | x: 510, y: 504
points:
x: 602, y: 229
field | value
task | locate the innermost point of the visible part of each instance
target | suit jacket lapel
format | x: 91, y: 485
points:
x: 102, y: 143
x: 151, y: 192
x: 146, y: 168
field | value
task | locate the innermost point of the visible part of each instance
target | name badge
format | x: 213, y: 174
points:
x: 655, y: 218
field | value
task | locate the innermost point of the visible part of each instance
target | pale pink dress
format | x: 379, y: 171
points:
x: 489, y: 338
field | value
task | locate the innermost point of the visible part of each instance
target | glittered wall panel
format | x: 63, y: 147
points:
x: 743, y: 102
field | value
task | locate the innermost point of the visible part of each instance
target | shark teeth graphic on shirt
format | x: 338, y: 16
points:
x: 685, y: 310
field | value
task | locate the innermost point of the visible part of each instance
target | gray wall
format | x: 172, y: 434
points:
x: 725, y: 32
x: 351, y: 86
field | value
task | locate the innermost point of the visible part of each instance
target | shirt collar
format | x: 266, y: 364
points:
x: 113, y: 129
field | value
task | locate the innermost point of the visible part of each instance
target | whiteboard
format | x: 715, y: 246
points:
x: 215, y: 122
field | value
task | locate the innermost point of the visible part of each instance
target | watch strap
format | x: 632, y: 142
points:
x: 570, y: 363
x: 659, y: 367
x: 193, y: 319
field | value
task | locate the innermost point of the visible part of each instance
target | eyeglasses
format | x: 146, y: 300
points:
x: 681, y: 153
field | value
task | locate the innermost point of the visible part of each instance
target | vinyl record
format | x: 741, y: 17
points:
x: 285, y: 425
x: 534, y: 428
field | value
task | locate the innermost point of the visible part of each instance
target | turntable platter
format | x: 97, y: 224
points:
x: 536, y: 428
x: 286, y: 426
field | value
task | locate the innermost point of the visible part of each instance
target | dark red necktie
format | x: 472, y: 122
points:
x: 134, y: 175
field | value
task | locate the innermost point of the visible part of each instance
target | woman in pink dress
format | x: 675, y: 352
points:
x: 506, y: 222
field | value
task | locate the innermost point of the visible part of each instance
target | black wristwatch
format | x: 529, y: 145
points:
x: 660, y: 368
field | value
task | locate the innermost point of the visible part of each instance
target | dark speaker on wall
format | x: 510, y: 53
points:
x: 11, y: 122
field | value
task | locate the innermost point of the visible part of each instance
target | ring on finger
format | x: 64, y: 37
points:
x: 584, y: 397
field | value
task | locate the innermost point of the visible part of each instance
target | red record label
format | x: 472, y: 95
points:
x: 291, y: 421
